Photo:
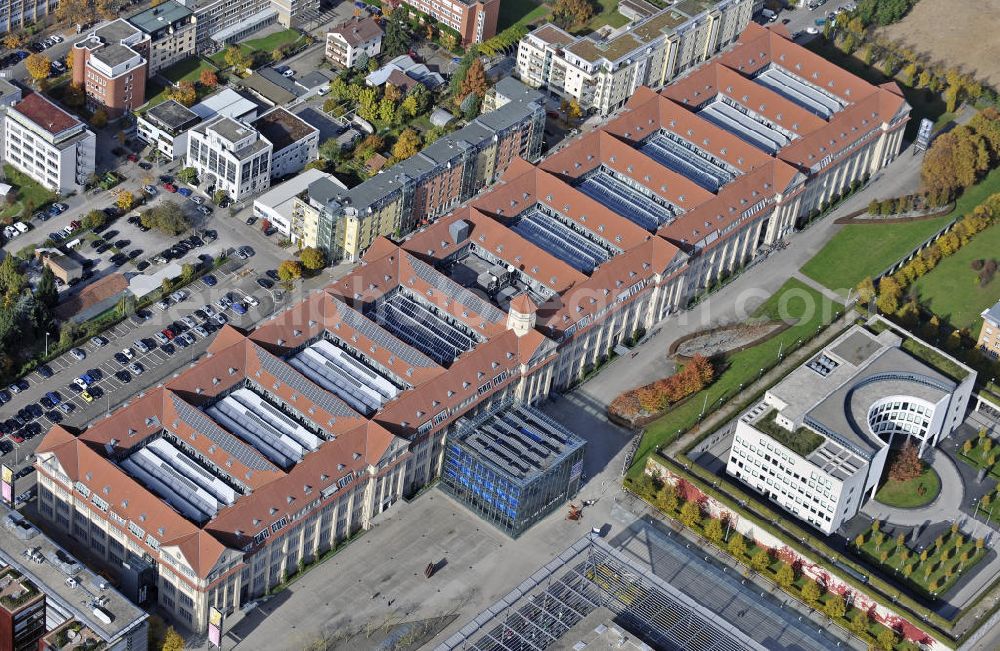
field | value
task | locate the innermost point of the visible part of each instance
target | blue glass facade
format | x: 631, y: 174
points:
x: 513, y: 465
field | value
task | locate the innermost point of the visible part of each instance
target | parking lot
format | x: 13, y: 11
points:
x: 112, y: 381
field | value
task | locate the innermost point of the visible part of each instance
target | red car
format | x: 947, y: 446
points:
x: 133, y: 158
x: 170, y: 187
x: 168, y: 333
x: 75, y: 224
x: 17, y: 438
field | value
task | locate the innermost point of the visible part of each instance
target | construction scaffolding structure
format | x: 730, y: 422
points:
x: 589, y: 576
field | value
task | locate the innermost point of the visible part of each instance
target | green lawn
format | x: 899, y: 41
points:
x: 862, y: 250
x: 266, y: 44
x: 796, y: 301
x: 607, y: 16
x: 272, y: 42
x: 939, y: 566
x: 952, y: 291
x: 189, y: 69
x: 907, y: 494
x: 523, y: 12
x: 28, y: 190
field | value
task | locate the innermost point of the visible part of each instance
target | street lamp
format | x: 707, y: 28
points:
x: 46, y: 344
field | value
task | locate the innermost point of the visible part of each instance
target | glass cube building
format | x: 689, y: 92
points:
x: 513, y: 465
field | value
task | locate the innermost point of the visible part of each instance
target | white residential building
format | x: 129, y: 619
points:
x: 48, y: 144
x: 231, y: 155
x: 817, y: 442
x: 345, y: 43
x: 601, y: 71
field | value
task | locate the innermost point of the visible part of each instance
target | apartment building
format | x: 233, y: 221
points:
x: 346, y: 42
x: 817, y: 442
x: 48, y: 144
x: 172, y: 31
x: 230, y: 155
x: 277, y: 205
x: 167, y: 124
x: 111, y: 65
x: 602, y: 70
x: 18, y: 14
x: 435, y: 181
x: 989, y: 332
x: 474, y: 20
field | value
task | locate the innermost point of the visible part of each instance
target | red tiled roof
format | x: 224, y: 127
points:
x: 45, y: 114
x: 92, y: 294
x: 522, y: 304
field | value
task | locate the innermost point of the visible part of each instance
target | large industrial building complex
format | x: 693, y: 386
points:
x: 425, y: 361
x: 817, y: 442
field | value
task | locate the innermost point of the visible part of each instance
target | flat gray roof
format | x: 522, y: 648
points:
x: 114, y: 54
x: 19, y: 537
x: 115, y: 31
x: 172, y: 115
x: 892, y: 373
x: 992, y: 313
x: 160, y: 16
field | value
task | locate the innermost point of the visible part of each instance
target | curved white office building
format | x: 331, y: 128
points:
x: 817, y: 442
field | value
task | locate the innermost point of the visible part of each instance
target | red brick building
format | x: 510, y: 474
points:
x: 111, y: 65
x: 474, y: 20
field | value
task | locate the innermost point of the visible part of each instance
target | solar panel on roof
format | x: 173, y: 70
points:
x: 744, y: 127
x: 381, y: 338
x: 687, y: 160
x: 318, y: 397
x: 559, y: 239
x: 232, y: 445
x: 809, y: 97
x: 452, y: 290
x: 628, y: 202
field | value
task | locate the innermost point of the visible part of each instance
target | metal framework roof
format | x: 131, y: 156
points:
x: 561, y: 240
x: 688, y: 160
x: 588, y: 576
x: 795, y: 89
x: 629, y: 202
x: 756, y: 131
x: 354, y: 382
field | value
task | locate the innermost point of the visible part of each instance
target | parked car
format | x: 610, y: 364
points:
x: 205, y: 210
x: 265, y: 283
x: 170, y: 187
x: 251, y: 301
x: 98, y: 341
x: 210, y: 280
x: 185, y: 192
x: 146, y: 166
x: 197, y: 199
x: 78, y: 354
x: 162, y: 338
x: 45, y: 371
x: 136, y: 368
x: 150, y: 190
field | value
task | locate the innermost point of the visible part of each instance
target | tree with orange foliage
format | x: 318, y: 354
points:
x: 208, y: 78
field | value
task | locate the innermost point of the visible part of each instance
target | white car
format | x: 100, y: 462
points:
x: 162, y: 338
x: 251, y: 301
x: 98, y: 341
x: 209, y: 311
x: 164, y: 304
x: 197, y: 199
x: 178, y: 296
x: 812, y: 30
x: 150, y: 190
x: 127, y: 352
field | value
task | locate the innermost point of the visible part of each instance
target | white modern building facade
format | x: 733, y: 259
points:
x: 817, y: 443
x: 48, y: 144
x: 231, y: 155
